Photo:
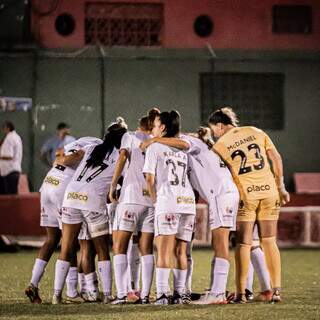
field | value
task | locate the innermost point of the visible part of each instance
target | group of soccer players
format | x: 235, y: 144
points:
x: 133, y: 190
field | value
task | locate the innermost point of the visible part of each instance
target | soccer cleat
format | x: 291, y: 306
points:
x: 264, y: 296
x: 32, y: 293
x: 211, y: 298
x: 239, y: 298
x: 186, y: 298
x: 118, y: 301
x: 276, y: 297
x: 144, y: 300
x: 92, y: 296
x: 107, y: 299
x: 162, y: 301
x: 74, y: 300
x: 249, y: 295
x: 56, y: 299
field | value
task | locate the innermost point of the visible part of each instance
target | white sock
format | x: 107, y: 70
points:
x: 82, y: 282
x: 220, y: 275
x: 62, y: 268
x: 72, y: 282
x: 179, y: 280
x: 147, y: 267
x: 189, y: 275
x: 249, y: 285
x: 105, y: 272
x: 120, y: 267
x: 260, y: 267
x: 162, y: 281
x: 212, y: 272
x: 38, y: 271
x: 91, y: 279
x: 135, y: 266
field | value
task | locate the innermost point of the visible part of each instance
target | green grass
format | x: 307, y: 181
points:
x: 301, y: 292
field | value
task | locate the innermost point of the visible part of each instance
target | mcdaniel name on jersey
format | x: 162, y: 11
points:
x: 240, y: 142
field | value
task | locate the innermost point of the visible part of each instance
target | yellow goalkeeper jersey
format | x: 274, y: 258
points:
x: 244, y: 151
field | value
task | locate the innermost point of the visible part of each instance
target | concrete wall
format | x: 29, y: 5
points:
x: 68, y: 89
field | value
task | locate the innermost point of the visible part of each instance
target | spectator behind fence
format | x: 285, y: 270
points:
x: 58, y: 141
x: 10, y: 159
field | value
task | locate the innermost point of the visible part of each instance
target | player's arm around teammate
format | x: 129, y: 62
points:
x: 246, y: 150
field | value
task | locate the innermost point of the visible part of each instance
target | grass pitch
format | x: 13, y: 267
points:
x: 301, y: 292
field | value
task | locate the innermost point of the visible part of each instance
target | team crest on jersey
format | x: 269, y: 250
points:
x: 185, y: 200
x: 77, y: 196
x: 51, y: 180
x: 228, y: 213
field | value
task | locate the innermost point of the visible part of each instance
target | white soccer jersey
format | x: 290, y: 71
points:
x: 207, y: 172
x: 174, y: 192
x: 58, y: 177
x: 88, y: 187
x: 134, y: 188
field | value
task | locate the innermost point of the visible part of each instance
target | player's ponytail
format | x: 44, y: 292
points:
x: 204, y: 134
x: 146, y: 122
x: 112, y: 139
x: 225, y: 116
x: 171, y: 120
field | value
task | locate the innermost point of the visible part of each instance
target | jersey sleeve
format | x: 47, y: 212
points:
x: 150, y: 162
x: 7, y: 149
x: 268, y: 144
x: 126, y: 142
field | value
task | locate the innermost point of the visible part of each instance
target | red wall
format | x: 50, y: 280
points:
x: 239, y: 24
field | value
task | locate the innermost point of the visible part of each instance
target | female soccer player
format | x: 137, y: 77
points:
x: 212, y: 179
x: 51, y: 198
x: 134, y: 213
x: 85, y: 200
x: 169, y: 187
x: 247, y: 151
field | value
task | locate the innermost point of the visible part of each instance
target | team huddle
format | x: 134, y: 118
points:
x: 133, y: 191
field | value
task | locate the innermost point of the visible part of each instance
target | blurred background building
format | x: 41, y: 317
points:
x: 85, y: 62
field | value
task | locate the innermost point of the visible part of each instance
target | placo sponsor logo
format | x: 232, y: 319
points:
x: 77, y: 196
x: 254, y: 188
x: 185, y: 200
x: 52, y: 180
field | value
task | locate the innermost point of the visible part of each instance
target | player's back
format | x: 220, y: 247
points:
x: 134, y: 184
x: 174, y: 192
x: 245, y: 151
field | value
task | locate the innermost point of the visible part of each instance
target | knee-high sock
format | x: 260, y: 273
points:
x: 38, y: 271
x: 273, y: 260
x: 162, y: 281
x: 62, y: 268
x: 90, y: 279
x: 147, y: 268
x: 179, y: 280
x: 105, y: 272
x: 72, y: 282
x: 120, y: 267
x: 260, y: 267
x: 249, y: 285
x: 242, y: 257
x: 220, y: 276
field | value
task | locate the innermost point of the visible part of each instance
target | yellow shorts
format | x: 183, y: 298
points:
x: 259, y: 209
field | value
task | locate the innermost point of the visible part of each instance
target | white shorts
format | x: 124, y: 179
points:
x: 223, y: 211
x: 98, y: 223
x: 50, y: 212
x: 84, y: 232
x: 181, y: 225
x: 111, y: 212
x: 134, y: 218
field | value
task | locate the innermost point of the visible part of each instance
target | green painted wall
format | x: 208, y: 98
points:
x: 68, y: 89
